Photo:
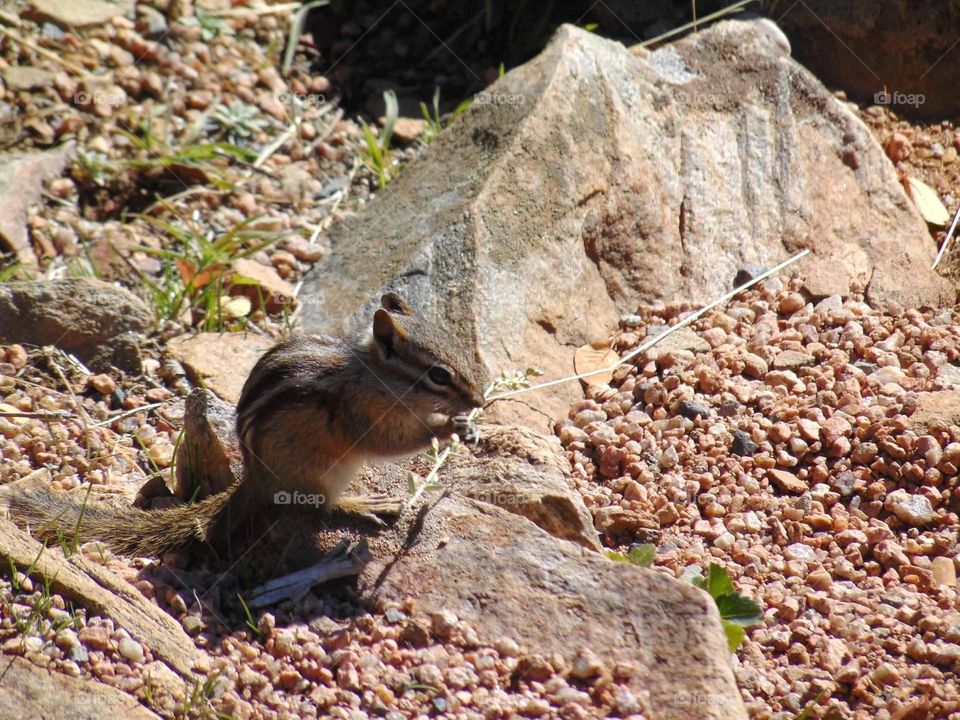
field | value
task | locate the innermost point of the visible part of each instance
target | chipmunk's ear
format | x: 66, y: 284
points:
x: 395, y: 304
x: 386, y: 331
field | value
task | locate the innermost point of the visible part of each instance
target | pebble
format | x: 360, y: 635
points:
x: 787, y: 481
x: 103, y: 384
x: 898, y: 147
x: 130, y: 649
x: 742, y: 444
x: 692, y: 409
x: 586, y: 665
x: 799, y: 551
x: 944, y: 572
x: 912, y: 509
x: 754, y: 366
x: 791, y: 303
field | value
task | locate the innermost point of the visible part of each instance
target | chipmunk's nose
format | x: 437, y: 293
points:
x: 477, y: 399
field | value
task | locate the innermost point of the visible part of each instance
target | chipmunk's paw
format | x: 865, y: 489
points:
x: 466, y: 429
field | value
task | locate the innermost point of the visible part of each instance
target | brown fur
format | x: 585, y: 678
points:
x: 312, y: 411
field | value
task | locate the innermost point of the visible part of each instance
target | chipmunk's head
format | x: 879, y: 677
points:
x: 426, y: 358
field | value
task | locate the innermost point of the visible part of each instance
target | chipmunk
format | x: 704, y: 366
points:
x: 312, y: 411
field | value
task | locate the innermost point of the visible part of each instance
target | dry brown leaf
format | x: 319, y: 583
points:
x: 588, y: 358
x: 198, y: 280
x: 927, y: 201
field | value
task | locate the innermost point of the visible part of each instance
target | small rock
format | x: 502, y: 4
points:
x: 787, y: 481
x: 898, y: 147
x: 532, y: 668
x: 415, y: 634
x: 742, y: 444
x: 944, y: 572
x: 16, y: 356
x: 407, y: 130
x: 223, y: 360
x: 586, y: 665
x: 131, y: 650
x: 799, y: 551
x: 304, y: 250
x: 912, y: 509
x: 80, y: 13
x: 25, y: 77
x: 793, y: 360
x: 791, y: 303
x: 444, y: 624
x: 691, y: 409
x: 103, y: 384
x: 269, y: 288
x: 193, y: 625
x: 819, y: 580
x: 96, y: 638
x: 754, y: 366
x: 885, y: 674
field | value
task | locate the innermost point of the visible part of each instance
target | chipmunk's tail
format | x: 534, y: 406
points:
x: 127, y: 530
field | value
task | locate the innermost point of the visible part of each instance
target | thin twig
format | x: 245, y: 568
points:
x: 643, y: 347
x: 127, y: 413
x: 947, y: 239
x: 47, y: 414
x: 281, y: 139
x: 75, y: 69
x: 81, y: 410
x: 697, y: 21
x: 9, y: 18
x: 266, y: 10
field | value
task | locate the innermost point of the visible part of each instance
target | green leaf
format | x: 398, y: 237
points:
x: 735, y: 635
x: 739, y: 610
x: 716, y: 583
x: 642, y: 555
x: 736, y: 611
x: 463, y: 106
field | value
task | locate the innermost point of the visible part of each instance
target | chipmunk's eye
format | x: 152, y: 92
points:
x: 439, y: 375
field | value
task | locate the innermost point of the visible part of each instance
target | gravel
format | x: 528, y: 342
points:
x: 817, y: 493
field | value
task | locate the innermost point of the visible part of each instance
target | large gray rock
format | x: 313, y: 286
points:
x: 28, y: 692
x: 219, y: 361
x: 593, y: 178
x: 510, y: 579
x: 97, y: 321
x: 103, y: 593
x: 79, y: 13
